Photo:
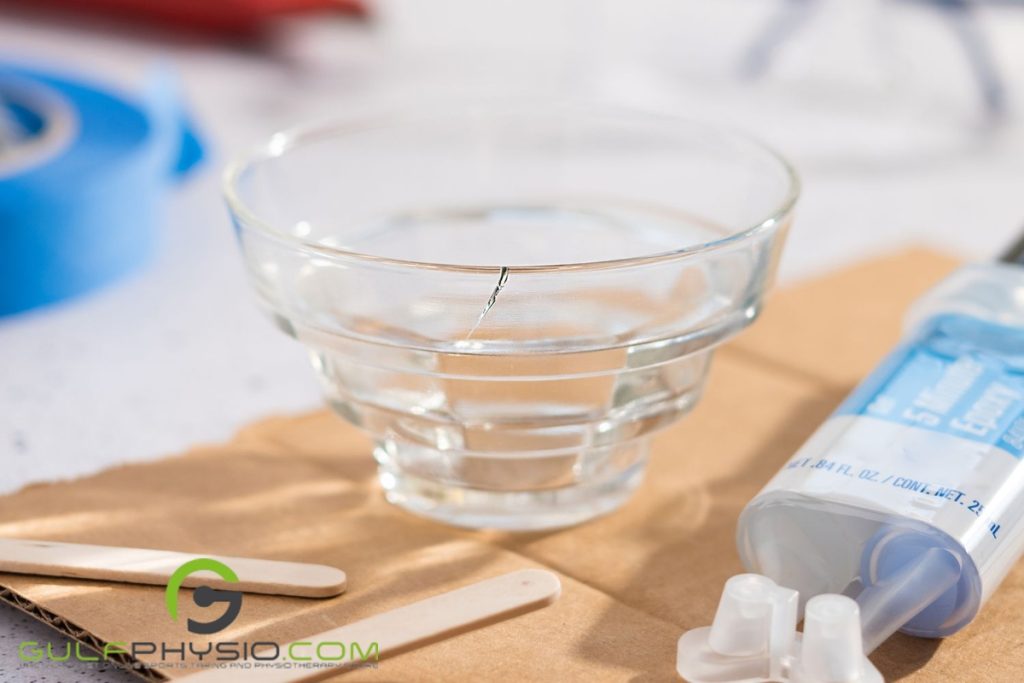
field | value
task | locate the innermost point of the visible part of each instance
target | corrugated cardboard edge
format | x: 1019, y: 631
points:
x: 77, y: 633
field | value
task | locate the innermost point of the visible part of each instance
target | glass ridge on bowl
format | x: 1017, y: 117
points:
x: 510, y: 299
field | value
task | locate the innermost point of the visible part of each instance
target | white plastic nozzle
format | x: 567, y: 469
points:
x: 753, y: 639
x: 750, y: 638
x: 753, y: 614
x: 832, y: 650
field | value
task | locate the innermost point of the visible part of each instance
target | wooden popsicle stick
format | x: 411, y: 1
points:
x: 401, y: 629
x: 155, y: 567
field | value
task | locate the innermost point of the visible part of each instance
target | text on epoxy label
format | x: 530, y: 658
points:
x: 951, y: 386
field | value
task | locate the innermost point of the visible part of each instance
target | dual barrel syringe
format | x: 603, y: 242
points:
x: 903, y: 512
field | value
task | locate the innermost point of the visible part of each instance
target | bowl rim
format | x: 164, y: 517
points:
x: 282, y: 141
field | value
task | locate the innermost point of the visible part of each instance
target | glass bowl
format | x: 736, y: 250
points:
x: 510, y: 299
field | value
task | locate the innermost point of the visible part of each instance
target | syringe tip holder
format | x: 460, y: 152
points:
x: 753, y: 639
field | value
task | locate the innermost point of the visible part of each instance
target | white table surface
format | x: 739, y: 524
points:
x: 178, y: 354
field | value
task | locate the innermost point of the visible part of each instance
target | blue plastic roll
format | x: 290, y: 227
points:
x: 84, y: 171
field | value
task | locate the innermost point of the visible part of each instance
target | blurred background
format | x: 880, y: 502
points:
x: 903, y: 118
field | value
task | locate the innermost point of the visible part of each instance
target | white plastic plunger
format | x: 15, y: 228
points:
x: 896, y: 598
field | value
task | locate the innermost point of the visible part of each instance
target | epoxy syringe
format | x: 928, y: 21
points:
x: 910, y: 497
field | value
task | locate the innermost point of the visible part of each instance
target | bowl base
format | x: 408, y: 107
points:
x: 530, y: 510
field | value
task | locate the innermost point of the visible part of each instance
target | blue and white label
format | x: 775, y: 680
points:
x: 955, y: 379
x: 935, y: 434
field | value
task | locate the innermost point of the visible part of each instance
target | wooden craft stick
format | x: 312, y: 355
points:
x: 155, y: 567
x: 398, y: 630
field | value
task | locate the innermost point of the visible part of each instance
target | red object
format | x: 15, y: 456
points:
x: 222, y: 16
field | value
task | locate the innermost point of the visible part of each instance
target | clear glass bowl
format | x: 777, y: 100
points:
x: 512, y: 298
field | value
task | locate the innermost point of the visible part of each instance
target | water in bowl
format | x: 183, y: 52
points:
x: 521, y: 397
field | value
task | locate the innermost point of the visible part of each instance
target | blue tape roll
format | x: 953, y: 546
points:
x: 83, y: 175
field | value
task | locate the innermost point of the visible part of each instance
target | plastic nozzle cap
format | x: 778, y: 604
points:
x: 744, y: 620
x: 832, y: 650
x: 750, y: 638
x: 754, y: 640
